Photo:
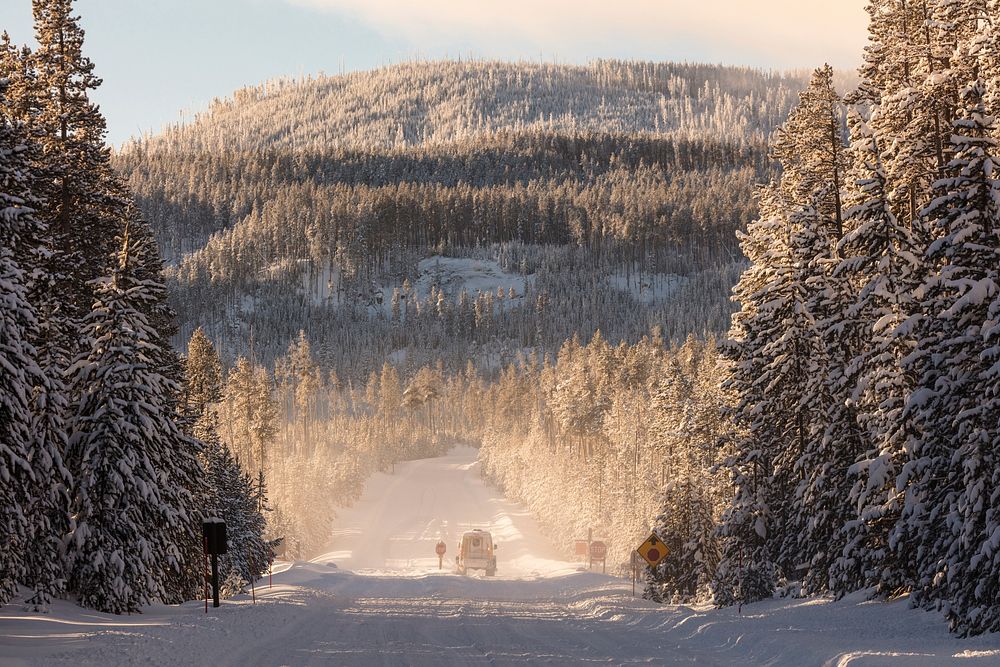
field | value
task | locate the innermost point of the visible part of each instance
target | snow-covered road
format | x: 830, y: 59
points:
x: 378, y: 598
x: 401, y: 517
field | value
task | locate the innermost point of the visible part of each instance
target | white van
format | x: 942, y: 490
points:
x: 476, y: 552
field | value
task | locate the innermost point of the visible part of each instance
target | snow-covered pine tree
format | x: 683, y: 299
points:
x: 19, y: 373
x: 770, y: 357
x: 880, y: 261
x: 236, y: 502
x: 781, y: 378
x: 84, y: 208
x: 902, y: 74
x: 203, y: 376
x: 17, y: 69
x: 48, y: 519
x: 134, y: 469
x: 686, y: 429
x: 811, y: 149
x: 231, y: 493
x: 953, y: 510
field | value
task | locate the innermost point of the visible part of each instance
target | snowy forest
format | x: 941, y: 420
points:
x: 285, y: 208
x: 758, y: 313
x: 109, y: 457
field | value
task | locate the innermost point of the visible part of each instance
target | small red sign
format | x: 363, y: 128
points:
x: 581, y: 547
x: 440, y: 548
x: 653, y: 554
x: 598, y: 550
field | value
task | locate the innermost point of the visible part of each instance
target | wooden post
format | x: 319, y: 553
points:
x: 215, y: 580
x: 204, y: 545
x: 633, y: 575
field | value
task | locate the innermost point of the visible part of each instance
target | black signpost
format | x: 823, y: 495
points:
x: 214, y: 532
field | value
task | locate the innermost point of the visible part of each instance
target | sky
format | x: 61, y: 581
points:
x: 162, y: 60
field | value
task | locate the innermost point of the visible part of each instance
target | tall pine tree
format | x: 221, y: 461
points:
x: 132, y: 498
x: 19, y: 373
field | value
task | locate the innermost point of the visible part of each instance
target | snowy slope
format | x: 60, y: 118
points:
x: 395, y: 608
x: 453, y: 275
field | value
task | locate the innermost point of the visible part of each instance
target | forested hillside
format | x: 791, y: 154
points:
x: 309, y: 205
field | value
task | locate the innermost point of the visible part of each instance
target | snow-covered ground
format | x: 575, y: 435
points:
x: 454, y: 274
x: 378, y: 598
x: 646, y: 288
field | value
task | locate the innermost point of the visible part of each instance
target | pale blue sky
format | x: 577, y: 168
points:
x: 158, y: 57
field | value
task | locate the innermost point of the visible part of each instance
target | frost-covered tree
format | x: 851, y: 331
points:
x: 231, y: 494
x: 687, y: 425
x: 769, y: 362
x: 952, y: 513
x: 19, y: 371
x: 84, y: 208
x: 880, y: 260
x: 905, y: 313
x: 134, y: 470
x: 250, y: 413
x: 235, y: 500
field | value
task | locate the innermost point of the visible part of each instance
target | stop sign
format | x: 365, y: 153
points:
x: 598, y: 550
x: 440, y: 548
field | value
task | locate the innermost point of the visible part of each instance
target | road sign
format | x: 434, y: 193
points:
x: 581, y: 547
x: 439, y: 549
x: 598, y: 551
x: 653, y: 550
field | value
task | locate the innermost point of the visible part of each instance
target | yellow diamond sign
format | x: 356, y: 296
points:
x: 653, y: 550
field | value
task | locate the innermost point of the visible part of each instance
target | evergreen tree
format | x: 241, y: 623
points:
x: 686, y: 425
x: 812, y: 152
x: 766, y: 330
x: 203, y: 377
x: 952, y: 516
x: 84, y: 209
x: 132, y: 494
x: 235, y: 500
x: 19, y: 372
x: 880, y: 260
x: 231, y: 493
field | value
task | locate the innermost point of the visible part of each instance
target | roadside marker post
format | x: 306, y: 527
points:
x: 633, y: 573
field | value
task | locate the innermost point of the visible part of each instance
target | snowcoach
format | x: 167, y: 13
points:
x: 476, y: 551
